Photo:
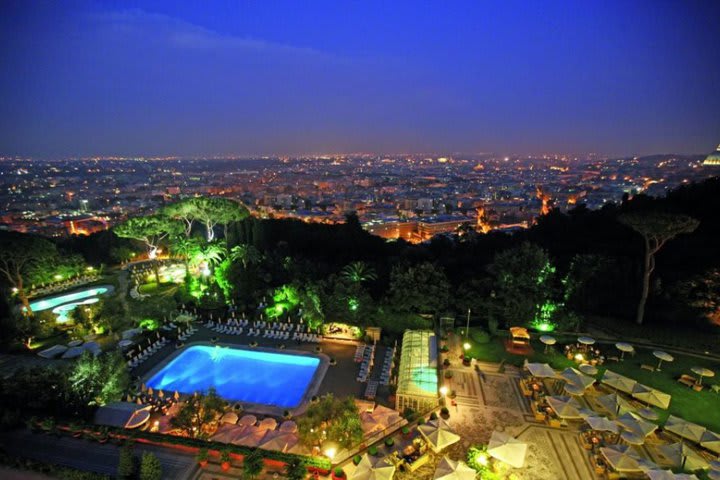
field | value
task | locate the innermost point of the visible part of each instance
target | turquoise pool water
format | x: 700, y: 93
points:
x: 62, y: 304
x: 251, y: 376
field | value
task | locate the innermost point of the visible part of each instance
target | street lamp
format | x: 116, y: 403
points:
x: 443, y: 390
x: 467, y: 328
x: 466, y: 346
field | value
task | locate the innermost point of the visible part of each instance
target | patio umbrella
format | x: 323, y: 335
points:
x: 507, y: 449
x: 248, y: 420
x: 251, y: 437
x: 453, y: 470
x: 678, y: 452
x: 548, y: 340
x: 373, y: 468
x: 438, y: 434
x: 713, y: 474
x: 564, y: 407
x: 662, y: 357
x: 226, y: 433
x: 230, y: 417
x: 370, y: 424
x: 77, y: 343
x: 73, y: 352
x: 636, y: 425
x: 648, y: 414
x: 621, y: 458
x: 176, y: 395
x: 280, y: 441
x: 614, y: 404
x: 624, y: 348
x: 288, y: 426
x: 268, y: 424
x: 575, y: 390
x: 618, y: 382
x: 577, y: 378
x: 701, y: 371
x: 687, y: 430
x: 715, y: 465
x: 586, y: 340
x: 711, y: 441
x: 656, y: 474
x: 651, y: 396
x: 601, y: 424
x: 631, y: 438
x: 588, y: 369
x: 540, y: 370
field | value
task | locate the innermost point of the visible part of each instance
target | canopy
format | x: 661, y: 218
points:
x: 651, y: 396
x: 656, y: 474
x: 386, y: 416
x: 373, y: 468
x: 588, y: 369
x: 507, y: 449
x: 601, y: 424
x: 636, y: 425
x: 577, y: 378
x: 417, y: 373
x: 687, y: 430
x: 230, y: 417
x: 519, y: 332
x: 614, y: 404
x: 280, y: 441
x: 268, y: 423
x: 648, y: 414
x: 250, y: 437
x: 227, y: 433
x: 288, y: 426
x: 624, y: 347
x: 621, y: 459
x: 632, y: 439
x: 121, y: 414
x: 540, y: 370
x: 438, y: 434
x: 370, y: 424
x: 678, y: 452
x: 703, y: 372
x: 248, y: 420
x: 586, y: 340
x: 564, y: 407
x: 618, y: 382
x: 453, y: 470
x: 548, y: 340
x: 711, y: 441
x: 573, y: 389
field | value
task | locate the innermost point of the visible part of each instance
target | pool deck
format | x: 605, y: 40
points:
x: 337, y: 379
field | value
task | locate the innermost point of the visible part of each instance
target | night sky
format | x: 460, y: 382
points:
x: 276, y: 77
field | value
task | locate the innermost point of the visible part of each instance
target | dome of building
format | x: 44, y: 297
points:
x: 713, y: 158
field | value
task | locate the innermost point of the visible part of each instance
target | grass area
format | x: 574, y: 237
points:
x: 153, y: 288
x: 699, y: 407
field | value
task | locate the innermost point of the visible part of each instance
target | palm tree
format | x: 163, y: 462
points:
x: 245, y: 253
x: 358, y: 272
x: 186, y: 248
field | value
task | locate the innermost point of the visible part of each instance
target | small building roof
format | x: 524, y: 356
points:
x: 117, y: 414
x: 418, y: 364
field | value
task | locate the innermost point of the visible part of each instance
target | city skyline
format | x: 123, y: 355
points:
x: 158, y: 79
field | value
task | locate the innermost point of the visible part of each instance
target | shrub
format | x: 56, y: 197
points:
x: 445, y: 349
x: 446, y: 362
x: 389, y: 442
x: 126, y: 464
x: 405, y: 430
x: 339, y: 472
x: 356, y: 459
x: 433, y: 416
x: 444, y: 412
x: 150, y: 467
x: 421, y: 421
x: 202, y: 455
x: 373, y: 450
x: 225, y: 456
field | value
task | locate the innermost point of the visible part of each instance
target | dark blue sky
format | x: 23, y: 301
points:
x: 276, y: 77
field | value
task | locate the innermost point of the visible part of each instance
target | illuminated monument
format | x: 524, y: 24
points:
x: 713, y: 159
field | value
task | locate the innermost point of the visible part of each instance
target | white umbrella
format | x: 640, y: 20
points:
x: 373, y: 468
x: 624, y: 348
x: 588, y: 369
x: 702, y: 372
x: 631, y: 438
x: 615, y: 404
x: 548, y: 340
x: 602, y: 424
x: 648, y: 413
x: 230, y: 417
x: 248, y: 420
x: 586, y: 340
x: 687, y: 430
x: 618, y: 382
x: 662, y: 357
x: 656, y: 474
x: 453, y: 470
x: 564, y: 407
x: 711, y: 441
x: 636, y: 425
x: 540, y: 370
x: 573, y: 389
x: 651, y: 396
x: 621, y: 458
x: 438, y: 434
x: 507, y: 449
x: 577, y: 378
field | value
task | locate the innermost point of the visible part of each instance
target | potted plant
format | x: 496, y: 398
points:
x: 373, y: 450
x: 357, y: 459
x: 225, y: 460
x: 338, y: 473
x: 202, y: 457
x: 433, y: 416
x: 333, y: 361
x: 405, y: 430
x: 287, y: 415
x: 444, y: 412
x: 389, y: 442
x: 76, y: 429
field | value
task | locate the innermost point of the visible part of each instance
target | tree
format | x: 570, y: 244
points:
x: 523, y: 282
x: 183, y: 210
x: 422, y: 288
x: 246, y: 254
x: 150, y: 467
x: 151, y: 230
x: 186, y: 248
x: 295, y: 469
x: 99, y: 380
x: 210, y: 212
x: 197, y: 412
x: 656, y: 229
x: 20, y: 255
x: 358, y: 272
x: 253, y: 464
x: 340, y: 419
x: 126, y: 464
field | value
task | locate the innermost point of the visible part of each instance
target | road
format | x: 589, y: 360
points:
x: 90, y: 456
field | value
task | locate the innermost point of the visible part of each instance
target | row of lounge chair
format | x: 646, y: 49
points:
x: 367, y: 364
x: 387, y: 366
x: 229, y: 329
x: 147, y: 352
x: 60, y: 286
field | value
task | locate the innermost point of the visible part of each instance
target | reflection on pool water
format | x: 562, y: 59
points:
x: 62, y: 304
x: 251, y: 376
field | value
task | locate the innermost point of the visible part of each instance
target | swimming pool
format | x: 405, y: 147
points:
x: 62, y: 304
x: 250, y: 376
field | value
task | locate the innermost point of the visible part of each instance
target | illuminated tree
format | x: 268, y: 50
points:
x: 422, y: 288
x: 198, y: 411
x: 151, y: 230
x: 150, y: 467
x: 209, y: 211
x: 183, y: 210
x: 20, y: 256
x: 99, y: 380
x: 338, y: 419
x: 185, y: 248
x: 358, y: 272
x: 253, y: 464
x: 245, y: 254
x: 656, y: 229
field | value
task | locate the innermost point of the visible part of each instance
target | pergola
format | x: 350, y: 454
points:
x: 417, y: 378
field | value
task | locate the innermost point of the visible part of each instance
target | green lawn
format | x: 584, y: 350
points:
x: 153, y: 288
x: 699, y: 407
